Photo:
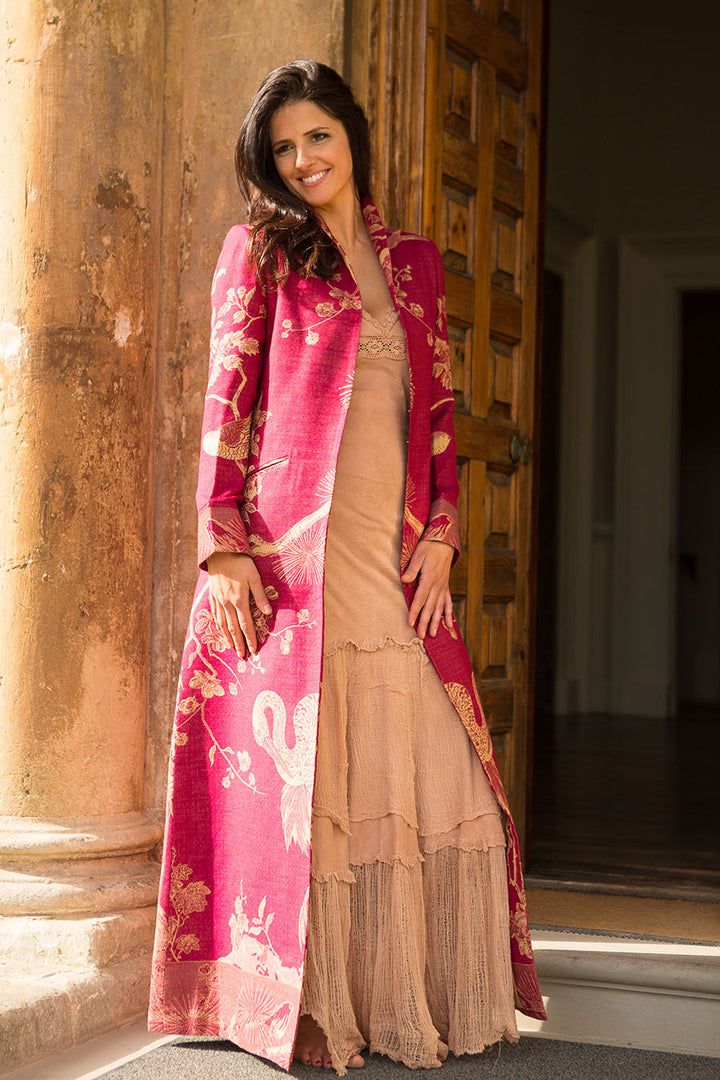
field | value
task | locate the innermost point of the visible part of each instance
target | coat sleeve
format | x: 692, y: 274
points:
x: 443, y: 518
x: 237, y: 350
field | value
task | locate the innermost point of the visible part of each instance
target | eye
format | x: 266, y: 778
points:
x: 320, y: 135
x: 282, y: 149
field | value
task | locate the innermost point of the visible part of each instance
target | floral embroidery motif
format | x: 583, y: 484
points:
x: 210, y: 633
x: 207, y: 683
x: 327, y: 309
x: 228, y: 348
x: 479, y: 734
x: 286, y: 635
x: 401, y: 275
x: 252, y: 948
x: 186, y: 898
x: 519, y: 929
x: 442, y: 366
x: 210, y: 660
x: 440, y: 441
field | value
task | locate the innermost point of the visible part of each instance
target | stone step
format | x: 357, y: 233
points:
x: 628, y: 990
x: 616, y: 990
x: 45, y: 1014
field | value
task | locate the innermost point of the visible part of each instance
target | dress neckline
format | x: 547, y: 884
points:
x: 387, y: 320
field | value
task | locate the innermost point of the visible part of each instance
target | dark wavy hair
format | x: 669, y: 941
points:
x: 285, y: 230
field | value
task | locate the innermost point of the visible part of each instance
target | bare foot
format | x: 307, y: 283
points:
x: 311, y: 1044
x: 312, y: 1049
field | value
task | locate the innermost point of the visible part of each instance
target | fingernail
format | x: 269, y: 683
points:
x: 267, y: 610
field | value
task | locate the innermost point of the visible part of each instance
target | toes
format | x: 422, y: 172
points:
x: 356, y: 1061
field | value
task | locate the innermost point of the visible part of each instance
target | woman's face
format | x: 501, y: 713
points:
x: 312, y: 154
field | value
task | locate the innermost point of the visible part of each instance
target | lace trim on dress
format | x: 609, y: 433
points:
x: 387, y: 347
x: 388, y: 320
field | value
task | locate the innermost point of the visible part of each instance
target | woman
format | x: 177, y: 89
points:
x: 327, y: 503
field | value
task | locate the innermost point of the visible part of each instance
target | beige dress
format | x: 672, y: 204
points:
x: 408, y: 938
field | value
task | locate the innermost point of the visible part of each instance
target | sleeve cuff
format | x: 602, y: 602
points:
x: 443, y: 525
x: 220, y: 528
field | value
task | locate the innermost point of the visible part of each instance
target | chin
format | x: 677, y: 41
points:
x: 316, y: 200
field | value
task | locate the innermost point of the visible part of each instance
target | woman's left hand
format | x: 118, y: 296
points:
x: 432, y: 602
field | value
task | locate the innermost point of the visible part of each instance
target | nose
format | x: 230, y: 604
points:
x: 303, y: 158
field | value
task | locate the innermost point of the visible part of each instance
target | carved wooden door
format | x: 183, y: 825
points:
x: 480, y: 205
x: 455, y: 99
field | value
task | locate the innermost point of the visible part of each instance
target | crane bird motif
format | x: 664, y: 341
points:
x: 296, y: 764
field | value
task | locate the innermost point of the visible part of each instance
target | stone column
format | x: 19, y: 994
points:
x: 81, y: 101
x: 216, y: 57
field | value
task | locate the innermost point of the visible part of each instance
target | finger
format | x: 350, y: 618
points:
x: 436, y: 616
x: 247, y: 624
x: 235, y: 628
x: 448, y: 610
x: 425, y: 615
x: 418, y: 601
x: 413, y: 569
x: 259, y: 595
x: 221, y: 621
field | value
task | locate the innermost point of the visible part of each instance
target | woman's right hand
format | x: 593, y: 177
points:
x: 234, y: 578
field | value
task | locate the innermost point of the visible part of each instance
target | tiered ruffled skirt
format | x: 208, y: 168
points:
x: 408, y: 936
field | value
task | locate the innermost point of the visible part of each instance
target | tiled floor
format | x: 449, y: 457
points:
x: 621, y: 797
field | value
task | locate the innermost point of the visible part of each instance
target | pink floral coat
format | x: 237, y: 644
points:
x: 232, y: 912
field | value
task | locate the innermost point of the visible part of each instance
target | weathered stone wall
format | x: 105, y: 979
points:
x: 80, y: 201
x: 216, y: 58
x: 80, y: 212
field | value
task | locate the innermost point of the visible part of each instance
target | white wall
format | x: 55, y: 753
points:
x: 632, y: 151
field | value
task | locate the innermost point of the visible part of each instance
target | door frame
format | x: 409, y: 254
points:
x: 652, y: 273
x: 580, y: 683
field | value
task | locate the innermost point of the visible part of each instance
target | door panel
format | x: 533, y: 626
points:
x: 481, y: 207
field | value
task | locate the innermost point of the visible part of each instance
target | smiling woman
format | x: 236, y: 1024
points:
x: 286, y: 129
x: 323, y: 607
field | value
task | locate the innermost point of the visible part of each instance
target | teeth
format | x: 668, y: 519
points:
x: 314, y: 177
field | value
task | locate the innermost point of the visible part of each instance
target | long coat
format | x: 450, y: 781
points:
x: 232, y: 914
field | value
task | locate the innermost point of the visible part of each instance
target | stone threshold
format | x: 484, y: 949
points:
x: 620, y: 990
x: 679, y: 918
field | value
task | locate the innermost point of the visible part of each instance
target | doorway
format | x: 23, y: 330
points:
x: 632, y: 801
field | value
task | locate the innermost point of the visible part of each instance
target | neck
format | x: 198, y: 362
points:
x: 345, y: 221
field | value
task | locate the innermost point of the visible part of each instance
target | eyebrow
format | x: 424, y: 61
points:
x: 321, y: 127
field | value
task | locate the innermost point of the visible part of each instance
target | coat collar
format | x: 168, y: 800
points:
x: 378, y: 234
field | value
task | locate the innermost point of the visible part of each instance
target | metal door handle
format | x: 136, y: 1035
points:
x: 519, y: 449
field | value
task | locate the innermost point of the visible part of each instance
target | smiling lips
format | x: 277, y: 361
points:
x: 309, y: 181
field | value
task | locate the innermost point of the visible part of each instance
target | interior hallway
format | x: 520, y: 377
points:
x: 632, y: 799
